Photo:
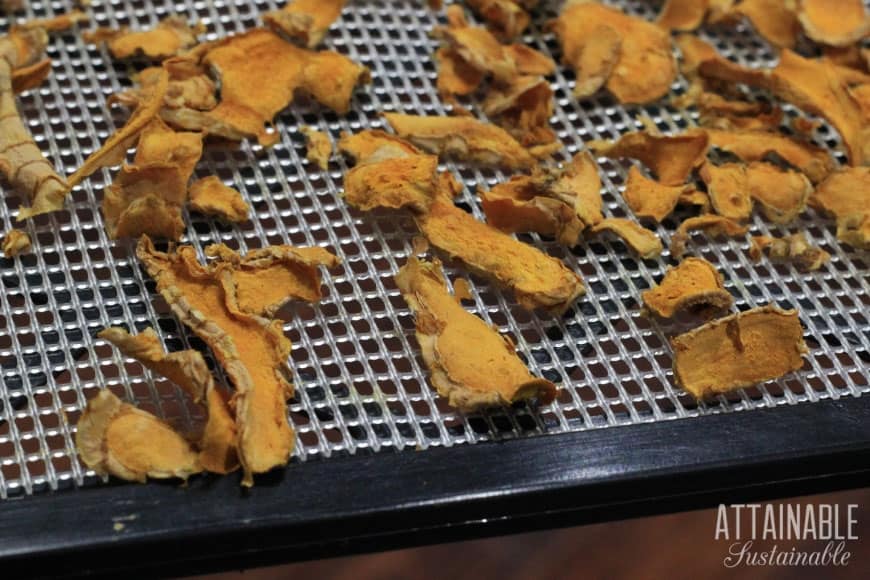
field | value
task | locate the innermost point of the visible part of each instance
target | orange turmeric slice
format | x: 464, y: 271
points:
x: 395, y: 183
x: 693, y: 283
x: 648, y: 198
x: 671, y: 157
x: 506, y: 19
x: 319, y: 148
x: 116, y: 438
x: 471, y: 365
x: 210, y: 196
x: 596, y: 60
x: 30, y: 76
x: 455, y: 76
x: 15, y: 243
x: 728, y: 188
x: 307, y: 21
x: 171, y: 36
x: 782, y: 194
x: 536, y: 279
x: 794, y: 248
x: 714, y: 225
x: 372, y: 145
x: 738, y: 351
x: 644, y: 242
x: 476, y: 46
x: 845, y: 194
x: 682, y: 15
x: 834, y: 22
x: 774, y: 20
x: 524, y: 108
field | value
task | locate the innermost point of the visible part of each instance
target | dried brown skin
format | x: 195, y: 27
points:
x: 814, y: 162
x: 671, y: 157
x: 116, y: 438
x: 402, y: 182
x: 218, y: 451
x: 506, y: 19
x: 265, y: 280
x: 306, y: 21
x: 650, y: 199
x: 834, y: 22
x: 319, y: 147
x: 728, y: 188
x: 252, y: 350
x: 596, y: 61
x: 738, y: 351
x: 470, y: 363
x: 794, y: 248
x: 210, y: 196
x: 714, y: 225
x: 468, y: 139
x: 682, y: 15
x: 645, y: 69
x: 171, y: 36
x: 15, y: 243
x: 642, y: 241
x: 781, y: 194
x: 524, y: 109
x: 845, y: 194
x: 536, y: 279
x: 373, y: 145
x: 693, y: 283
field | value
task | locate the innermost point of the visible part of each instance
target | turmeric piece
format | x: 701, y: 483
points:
x: 171, y: 36
x: 650, y: 199
x: 682, y: 15
x: 319, y: 147
x: 596, y: 61
x: 693, y: 283
x: 31, y: 76
x: 210, y: 196
x: 834, y: 22
x: 373, y: 145
x: 782, y: 194
x: 738, y: 351
x: 307, y: 21
x: 728, y: 188
x: 794, y: 248
x: 774, y: 20
x: 471, y: 365
x: 644, y: 242
x: 116, y: 438
x: 506, y: 19
x: 476, y: 46
x: 15, y: 243
x: 845, y: 195
x: 714, y: 225
x: 524, y: 108
x: 455, y: 76
x: 671, y: 157
x: 395, y: 183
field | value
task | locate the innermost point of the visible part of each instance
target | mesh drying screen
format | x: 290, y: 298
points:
x: 361, y: 387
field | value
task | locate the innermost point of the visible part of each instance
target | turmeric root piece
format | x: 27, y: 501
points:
x: 455, y: 76
x: 671, y: 157
x: 464, y: 138
x: 15, y: 243
x: 252, y: 350
x: 813, y: 161
x: 693, y: 283
x: 476, y: 46
x: 373, y: 145
x: 845, y: 194
x: 728, y: 188
x: 596, y: 61
x: 682, y: 15
x: 644, y: 242
x: 774, y: 20
x: 210, y: 196
x: 645, y: 68
x: 401, y: 182
x: 714, y: 225
x: 720, y: 113
x: 782, y: 194
x: 854, y: 229
x: 307, y: 21
x: 31, y: 76
x: 188, y: 370
x: 794, y: 248
x: 471, y: 365
x: 650, y: 199
x: 559, y: 203
x: 738, y: 351
x: 834, y: 22
x: 524, y: 108
x: 264, y: 280
x: 506, y: 19
x: 116, y: 438
x: 171, y: 36
x: 536, y: 279
x: 319, y: 147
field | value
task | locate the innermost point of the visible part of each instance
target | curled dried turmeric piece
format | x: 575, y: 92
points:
x: 373, y: 145
x: 462, y: 137
x: 537, y: 280
x: 319, y: 147
x: 782, y: 194
x: 188, y: 370
x: 845, y: 194
x: 774, y: 20
x: 395, y: 183
x: 116, y: 438
x: 714, y: 225
x: 682, y: 15
x: 252, y: 350
x: 470, y: 363
x: 307, y: 21
x: 834, y: 22
x: 31, y: 76
x: 644, y: 242
x: 728, y: 188
x: 648, y: 198
x: 524, y: 108
x: 507, y: 19
x: 671, y: 157
x: 210, y: 196
x: 693, y: 283
x: 264, y: 280
x: 738, y: 351
x: 596, y: 60
x: 171, y: 36
x: 854, y: 229
x: 455, y: 76
x: 476, y: 46
x: 645, y: 67
x: 15, y: 243
x: 9, y: 6
x: 794, y: 248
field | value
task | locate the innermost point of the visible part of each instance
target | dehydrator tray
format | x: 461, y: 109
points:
x: 381, y: 460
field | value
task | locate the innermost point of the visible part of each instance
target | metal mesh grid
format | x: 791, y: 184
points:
x: 361, y: 386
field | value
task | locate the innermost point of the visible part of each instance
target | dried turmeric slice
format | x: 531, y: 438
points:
x: 307, y: 21
x: 720, y: 113
x: 266, y: 279
x: 645, y: 68
x: 693, y: 283
x: 15, y: 243
x: 854, y: 229
x: 188, y: 370
x: 524, y: 108
x: 210, y: 196
x: 506, y: 19
x: 714, y: 225
x: 682, y: 14
x: 470, y: 363
x: 644, y: 242
x: 845, y: 194
x: 537, y: 280
x: 738, y: 351
x: 596, y: 60
x: 671, y: 157
x: 116, y: 438
x: 462, y: 137
x: 530, y: 61
x: 774, y: 20
x: 782, y: 194
x: 834, y: 22
x: 794, y: 248
x: 476, y: 46
x: 373, y: 145
x: 728, y: 188
x: 31, y: 76
x: 395, y: 183
x: 319, y: 147
x: 648, y: 198
x: 455, y: 76
x: 252, y: 350
x: 171, y: 36
x: 813, y: 161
